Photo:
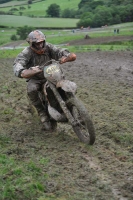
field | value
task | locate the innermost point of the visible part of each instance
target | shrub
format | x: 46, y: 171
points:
x: 24, y: 31
x: 13, y: 37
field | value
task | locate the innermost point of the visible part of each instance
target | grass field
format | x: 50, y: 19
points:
x: 39, y: 8
x: 18, y: 21
x: 14, y: 3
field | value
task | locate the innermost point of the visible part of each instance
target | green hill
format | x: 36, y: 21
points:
x: 25, y: 12
x: 37, y: 8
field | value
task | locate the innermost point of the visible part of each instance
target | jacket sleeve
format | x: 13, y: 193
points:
x: 56, y: 53
x: 21, y: 61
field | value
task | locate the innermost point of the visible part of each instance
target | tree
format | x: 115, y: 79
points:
x: 116, y: 20
x: 130, y: 12
x: 84, y: 22
x: 98, y: 20
x: 22, y: 8
x: 4, y: 1
x: 29, y: 1
x: 13, y: 37
x: 13, y: 9
x: 20, y: 13
x: 94, y: 4
x: 53, y: 10
x: 105, y: 15
x: 83, y: 3
x: 23, y: 32
x: 87, y: 15
x: 126, y: 13
x: 68, y: 13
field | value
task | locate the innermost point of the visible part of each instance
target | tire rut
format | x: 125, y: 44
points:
x: 104, y: 177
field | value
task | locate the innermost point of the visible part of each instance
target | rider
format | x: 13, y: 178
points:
x: 27, y: 63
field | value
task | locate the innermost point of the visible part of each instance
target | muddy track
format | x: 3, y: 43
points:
x: 101, y: 40
x: 76, y: 171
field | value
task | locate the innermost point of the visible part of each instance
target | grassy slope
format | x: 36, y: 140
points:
x: 12, y: 3
x: 39, y: 8
x: 17, y: 21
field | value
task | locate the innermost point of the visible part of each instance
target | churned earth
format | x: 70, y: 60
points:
x: 75, y: 171
x: 100, y: 40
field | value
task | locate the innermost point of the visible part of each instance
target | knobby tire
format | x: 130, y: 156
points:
x: 85, y: 128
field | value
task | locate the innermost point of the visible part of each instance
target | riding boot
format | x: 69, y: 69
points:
x: 37, y: 103
x: 42, y: 113
x: 45, y: 121
x: 44, y: 117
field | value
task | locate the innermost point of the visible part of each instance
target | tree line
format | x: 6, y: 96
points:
x: 96, y: 13
x: 101, y: 13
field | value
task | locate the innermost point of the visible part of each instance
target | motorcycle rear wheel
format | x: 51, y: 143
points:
x: 84, y: 128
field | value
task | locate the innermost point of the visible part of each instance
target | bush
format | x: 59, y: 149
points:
x: 24, y: 31
x: 13, y: 9
x: 13, y: 37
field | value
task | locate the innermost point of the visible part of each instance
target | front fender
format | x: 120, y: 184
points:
x: 67, y: 86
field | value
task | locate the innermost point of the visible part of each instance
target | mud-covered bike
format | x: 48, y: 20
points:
x: 59, y: 97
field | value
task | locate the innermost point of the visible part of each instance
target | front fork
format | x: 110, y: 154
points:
x: 62, y: 104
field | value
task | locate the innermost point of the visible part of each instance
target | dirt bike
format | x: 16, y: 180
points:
x: 63, y: 105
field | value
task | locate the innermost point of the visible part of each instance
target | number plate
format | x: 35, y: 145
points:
x: 49, y: 70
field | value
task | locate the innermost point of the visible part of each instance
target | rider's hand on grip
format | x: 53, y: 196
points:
x: 69, y: 58
x: 28, y: 73
x: 36, y: 68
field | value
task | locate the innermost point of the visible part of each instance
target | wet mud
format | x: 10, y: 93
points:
x: 74, y: 170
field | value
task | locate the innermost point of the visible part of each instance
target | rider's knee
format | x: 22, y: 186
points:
x: 32, y: 89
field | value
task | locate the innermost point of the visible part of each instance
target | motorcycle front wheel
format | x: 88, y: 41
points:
x: 84, y: 127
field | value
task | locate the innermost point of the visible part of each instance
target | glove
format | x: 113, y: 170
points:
x: 71, y: 57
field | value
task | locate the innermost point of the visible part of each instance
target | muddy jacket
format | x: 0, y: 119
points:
x: 28, y: 58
